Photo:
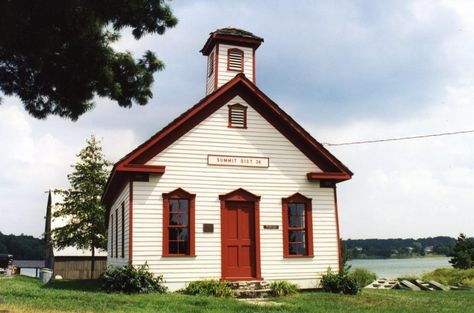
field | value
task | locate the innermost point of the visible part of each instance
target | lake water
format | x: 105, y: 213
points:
x: 393, y: 268
x: 28, y: 272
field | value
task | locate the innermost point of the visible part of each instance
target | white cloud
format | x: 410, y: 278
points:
x: 413, y: 188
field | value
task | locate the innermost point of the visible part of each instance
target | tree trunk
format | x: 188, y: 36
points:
x: 93, y: 263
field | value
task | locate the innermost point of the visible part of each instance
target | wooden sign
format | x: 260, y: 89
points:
x: 208, y: 228
x: 230, y: 160
x: 270, y: 227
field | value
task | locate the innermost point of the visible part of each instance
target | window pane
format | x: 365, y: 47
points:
x: 296, y: 215
x: 174, y: 219
x: 183, y: 219
x: 292, y: 209
x: 183, y: 247
x: 183, y: 234
x: 173, y: 247
x: 178, y: 219
x: 183, y: 205
x: 296, y: 221
x: 297, y: 249
x: 174, y: 206
x: 175, y: 233
x: 296, y: 236
x: 300, y: 208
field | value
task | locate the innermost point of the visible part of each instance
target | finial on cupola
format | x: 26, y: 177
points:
x: 230, y: 51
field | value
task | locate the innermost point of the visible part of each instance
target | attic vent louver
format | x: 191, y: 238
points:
x: 237, y: 116
x: 235, y: 60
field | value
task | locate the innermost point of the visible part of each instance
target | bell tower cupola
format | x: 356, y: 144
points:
x: 229, y: 51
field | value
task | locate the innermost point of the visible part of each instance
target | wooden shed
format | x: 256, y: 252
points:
x: 70, y: 263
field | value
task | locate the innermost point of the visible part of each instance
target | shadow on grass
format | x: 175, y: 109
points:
x: 77, y: 285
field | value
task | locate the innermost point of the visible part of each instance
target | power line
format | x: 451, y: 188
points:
x: 398, y: 138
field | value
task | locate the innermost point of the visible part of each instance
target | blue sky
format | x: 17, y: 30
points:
x: 345, y: 70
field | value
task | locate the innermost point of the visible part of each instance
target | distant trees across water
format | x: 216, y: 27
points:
x: 398, y: 248
x: 22, y: 247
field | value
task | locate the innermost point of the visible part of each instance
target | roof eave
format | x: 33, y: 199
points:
x: 229, y: 39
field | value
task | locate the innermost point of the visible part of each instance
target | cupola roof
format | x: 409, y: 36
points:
x: 233, y: 36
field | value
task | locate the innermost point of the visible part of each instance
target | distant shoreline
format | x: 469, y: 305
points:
x: 402, y: 257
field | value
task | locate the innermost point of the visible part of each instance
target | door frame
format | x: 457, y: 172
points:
x: 242, y: 195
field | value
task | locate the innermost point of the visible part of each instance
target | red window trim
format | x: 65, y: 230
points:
x: 298, y: 198
x: 237, y: 106
x: 211, y: 61
x: 229, y: 51
x: 178, y: 194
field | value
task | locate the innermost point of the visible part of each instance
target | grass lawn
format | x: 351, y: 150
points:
x: 24, y: 294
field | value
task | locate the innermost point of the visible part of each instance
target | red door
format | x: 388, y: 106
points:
x: 238, y: 240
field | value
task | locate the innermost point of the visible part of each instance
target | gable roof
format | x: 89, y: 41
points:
x: 135, y: 161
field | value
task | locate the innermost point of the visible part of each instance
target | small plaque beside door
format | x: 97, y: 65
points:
x: 207, y: 228
x: 270, y: 227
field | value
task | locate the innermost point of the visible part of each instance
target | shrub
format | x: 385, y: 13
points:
x: 130, y: 279
x: 208, y: 288
x: 283, y: 288
x: 451, y: 276
x: 362, y: 277
x: 337, y: 283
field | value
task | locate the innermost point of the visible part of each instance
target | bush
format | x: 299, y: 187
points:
x: 337, y: 283
x: 208, y: 288
x: 130, y: 279
x: 283, y: 288
x: 362, y: 277
x: 451, y: 276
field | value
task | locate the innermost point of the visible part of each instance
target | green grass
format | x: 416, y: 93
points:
x: 23, y: 294
x: 452, y: 276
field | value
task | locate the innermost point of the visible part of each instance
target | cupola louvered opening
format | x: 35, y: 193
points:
x: 211, y: 64
x: 237, y: 116
x: 235, y: 60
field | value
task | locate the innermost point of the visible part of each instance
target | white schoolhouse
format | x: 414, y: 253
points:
x: 232, y: 189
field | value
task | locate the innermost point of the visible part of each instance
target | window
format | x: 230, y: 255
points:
x: 111, y: 235
x: 178, y: 223
x: 116, y: 233
x: 235, y: 60
x: 123, y: 230
x: 297, y: 226
x: 237, y: 116
x: 211, y: 64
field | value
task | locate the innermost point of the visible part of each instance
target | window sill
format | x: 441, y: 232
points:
x: 241, y: 127
x: 298, y: 256
x: 178, y: 255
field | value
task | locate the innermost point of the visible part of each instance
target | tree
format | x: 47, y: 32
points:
x: 56, y: 55
x: 81, y: 206
x: 463, y: 253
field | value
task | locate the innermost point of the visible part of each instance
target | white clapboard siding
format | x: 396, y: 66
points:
x: 123, y: 197
x: 223, y: 75
x: 187, y: 168
x: 211, y: 78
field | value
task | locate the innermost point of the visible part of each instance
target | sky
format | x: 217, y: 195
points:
x: 345, y: 70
